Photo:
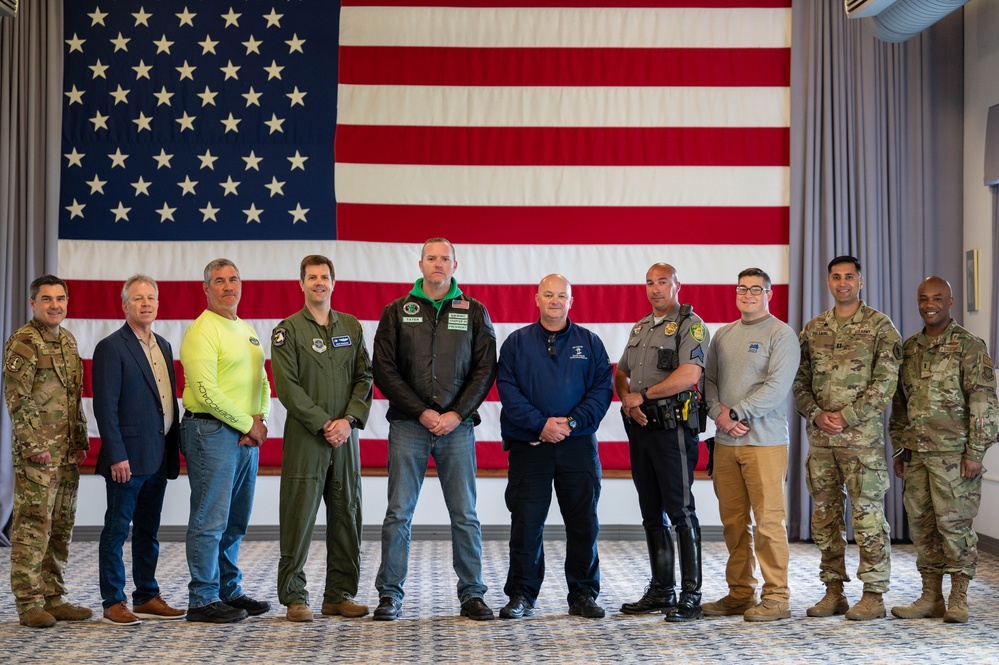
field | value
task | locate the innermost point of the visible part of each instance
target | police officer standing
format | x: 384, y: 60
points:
x: 554, y: 381
x: 943, y: 421
x: 658, y: 381
x: 322, y: 375
x: 849, y: 368
x: 43, y: 388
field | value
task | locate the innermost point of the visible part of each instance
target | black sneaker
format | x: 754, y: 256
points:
x: 517, y: 608
x: 217, y: 612
x: 476, y: 609
x: 389, y: 609
x: 584, y: 607
x: 252, y: 607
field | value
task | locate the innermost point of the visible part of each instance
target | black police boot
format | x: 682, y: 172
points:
x: 688, y: 607
x: 659, y: 595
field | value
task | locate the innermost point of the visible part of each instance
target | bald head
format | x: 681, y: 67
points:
x: 554, y: 298
x: 662, y: 287
x: 935, y: 300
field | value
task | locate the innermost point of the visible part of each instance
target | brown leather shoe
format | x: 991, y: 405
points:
x: 156, y: 608
x: 69, y: 612
x: 346, y: 608
x: 36, y: 617
x: 119, y: 615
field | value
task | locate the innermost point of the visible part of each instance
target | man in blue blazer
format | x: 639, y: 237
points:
x: 135, y: 404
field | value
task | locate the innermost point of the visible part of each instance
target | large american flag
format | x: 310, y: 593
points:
x: 587, y: 138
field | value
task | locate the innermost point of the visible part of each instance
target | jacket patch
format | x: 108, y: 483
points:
x: 698, y: 332
x: 318, y: 345
x: 279, y: 337
x: 411, y: 308
x: 457, y: 321
x: 342, y: 340
x: 412, y: 319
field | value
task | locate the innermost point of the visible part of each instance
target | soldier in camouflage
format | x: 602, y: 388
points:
x: 944, y: 418
x: 849, y: 368
x: 43, y: 380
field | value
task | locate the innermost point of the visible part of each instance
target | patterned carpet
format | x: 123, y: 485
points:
x: 431, y: 631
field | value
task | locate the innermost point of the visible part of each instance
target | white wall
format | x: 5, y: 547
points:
x: 618, y: 503
x: 981, y: 90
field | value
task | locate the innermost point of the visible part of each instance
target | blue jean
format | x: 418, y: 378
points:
x: 410, y: 447
x: 573, y: 466
x: 223, y: 475
x: 139, y: 502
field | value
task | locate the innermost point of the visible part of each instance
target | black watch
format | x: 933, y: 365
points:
x: 572, y: 423
x: 733, y: 415
x: 352, y: 420
x: 643, y: 392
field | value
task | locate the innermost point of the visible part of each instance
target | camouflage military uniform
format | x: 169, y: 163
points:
x: 945, y: 409
x: 852, y: 369
x: 43, y: 379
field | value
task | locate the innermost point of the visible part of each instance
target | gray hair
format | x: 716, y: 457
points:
x: 218, y: 264
x: 144, y: 279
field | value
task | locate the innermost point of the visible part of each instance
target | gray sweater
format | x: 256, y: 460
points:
x: 750, y: 368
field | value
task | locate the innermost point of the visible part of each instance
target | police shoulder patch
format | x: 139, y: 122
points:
x: 698, y: 331
x: 279, y: 337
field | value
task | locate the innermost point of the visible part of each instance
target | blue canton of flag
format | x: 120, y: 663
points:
x: 199, y: 120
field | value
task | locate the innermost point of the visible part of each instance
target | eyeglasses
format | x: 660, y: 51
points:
x: 551, y: 345
x: 755, y: 290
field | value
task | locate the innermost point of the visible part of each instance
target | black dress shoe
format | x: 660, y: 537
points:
x: 584, y: 607
x: 389, y: 609
x: 517, y: 608
x: 252, y: 607
x: 476, y: 609
x: 217, y: 612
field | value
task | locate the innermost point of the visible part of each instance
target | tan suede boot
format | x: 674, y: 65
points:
x: 928, y: 605
x: 957, y: 605
x: 871, y: 606
x: 834, y: 602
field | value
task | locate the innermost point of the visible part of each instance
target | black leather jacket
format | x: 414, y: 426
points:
x: 445, y: 362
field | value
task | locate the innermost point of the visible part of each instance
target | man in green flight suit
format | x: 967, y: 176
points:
x: 322, y: 375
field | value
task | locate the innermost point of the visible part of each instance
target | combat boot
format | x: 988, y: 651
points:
x: 871, y: 606
x: 957, y: 605
x: 928, y: 605
x: 688, y: 607
x: 659, y: 595
x: 834, y: 602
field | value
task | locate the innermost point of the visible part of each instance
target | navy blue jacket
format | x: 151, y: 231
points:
x: 128, y: 409
x: 534, y: 386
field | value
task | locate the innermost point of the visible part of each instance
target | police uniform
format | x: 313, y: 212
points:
x: 663, y: 455
x: 43, y: 380
x: 321, y: 373
x: 852, y: 368
x: 945, y: 409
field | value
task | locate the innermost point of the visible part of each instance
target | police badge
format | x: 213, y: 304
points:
x: 670, y: 328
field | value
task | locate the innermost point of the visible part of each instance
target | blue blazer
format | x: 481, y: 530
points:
x: 128, y: 409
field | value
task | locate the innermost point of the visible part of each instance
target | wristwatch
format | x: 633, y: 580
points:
x: 733, y: 415
x: 643, y: 392
x: 352, y: 420
x: 572, y: 423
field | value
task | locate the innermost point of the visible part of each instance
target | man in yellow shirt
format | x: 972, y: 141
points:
x: 226, y: 399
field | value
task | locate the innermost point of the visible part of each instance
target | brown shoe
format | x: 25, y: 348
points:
x: 119, y: 615
x: 728, y: 606
x: 36, y: 617
x: 299, y: 612
x: 768, y: 610
x: 69, y: 612
x: 156, y: 608
x: 345, y: 608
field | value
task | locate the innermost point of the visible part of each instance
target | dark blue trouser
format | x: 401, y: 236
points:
x: 662, y: 466
x: 573, y: 465
x: 138, y: 502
